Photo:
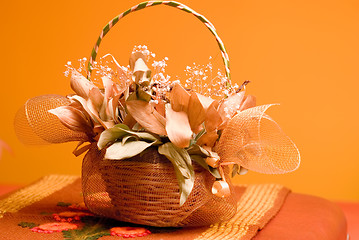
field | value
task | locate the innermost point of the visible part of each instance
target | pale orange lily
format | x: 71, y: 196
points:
x: 102, y: 107
x: 218, y: 114
x: 192, y: 109
x: 235, y: 103
x: 72, y: 118
x: 178, y: 127
x: 91, y: 110
x: 146, y: 115
x: 80, y: 84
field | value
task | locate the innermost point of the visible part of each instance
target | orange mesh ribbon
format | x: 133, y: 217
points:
x: 253, y: 140
x: 34, y: 125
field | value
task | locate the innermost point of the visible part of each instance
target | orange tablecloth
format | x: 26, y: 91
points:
x: 7, y: 188
x: 301, y: 217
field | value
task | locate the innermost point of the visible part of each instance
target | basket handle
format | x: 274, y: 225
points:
x: 174, y: 4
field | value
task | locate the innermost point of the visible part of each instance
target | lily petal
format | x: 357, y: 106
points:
x: 178, y: 128
x: 80, y: 84
x: 96, y: 98
x: 89, y: 108
x: 196, y: 113
x: 129, y: 121
x: 213, y: 118
x: 141, y: 73
x: 229, y: 107
x: 208, y: 139
x: 248, y: 102
x: 109, y: 86
x: 179, y: 98
x: 147, y: 116
x: 72, y: 118
x: 112, y: 108
x: 205, y: 101
x: 159, y: 106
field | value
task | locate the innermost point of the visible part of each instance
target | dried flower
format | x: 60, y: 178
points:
x: 128, y: 109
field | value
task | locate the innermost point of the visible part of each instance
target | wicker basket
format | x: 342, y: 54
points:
x: 144, y: 189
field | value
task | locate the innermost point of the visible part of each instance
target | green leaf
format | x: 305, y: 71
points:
x: 112, y: 134
x: 202, y: 162
x: 199, y: 135
x: 145, y: 136
x: 118, y: 151
x: 183, y: 168
x: 137, y: 127
x: 128, y: 138
x: 132, y: 96
x: 199, y: 155
x: 198, y: 150
x: 143, y: 95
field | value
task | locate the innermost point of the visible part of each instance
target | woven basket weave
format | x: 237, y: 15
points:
x: 144, y: 190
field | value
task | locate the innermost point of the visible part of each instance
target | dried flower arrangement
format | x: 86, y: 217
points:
x: 135, y: 111
x: 159, y: 153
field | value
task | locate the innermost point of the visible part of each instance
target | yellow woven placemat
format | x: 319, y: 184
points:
x: 54, y: 198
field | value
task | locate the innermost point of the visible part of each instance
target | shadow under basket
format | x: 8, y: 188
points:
x: 144, y: 190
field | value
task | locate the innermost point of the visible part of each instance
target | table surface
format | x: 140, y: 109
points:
x: 351, y: 210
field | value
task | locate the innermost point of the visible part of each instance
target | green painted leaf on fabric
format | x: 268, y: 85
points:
x: 46, y: 213
x: 112, y: 134
x: 93, y: 229
x: 182, y: 164
x: 28, y: 224
x: 63, y: 204
x: 202, y: 162
x: 118, y: 151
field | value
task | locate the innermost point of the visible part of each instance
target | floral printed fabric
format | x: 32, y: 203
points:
x: 61, y: 214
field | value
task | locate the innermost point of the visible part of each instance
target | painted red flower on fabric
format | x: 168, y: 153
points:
x: 54, y: 227
x: 79, y: 206
x: 70, y: 216
x: 128, y: 232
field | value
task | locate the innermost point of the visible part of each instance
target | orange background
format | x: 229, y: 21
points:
x: 302, y: 54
